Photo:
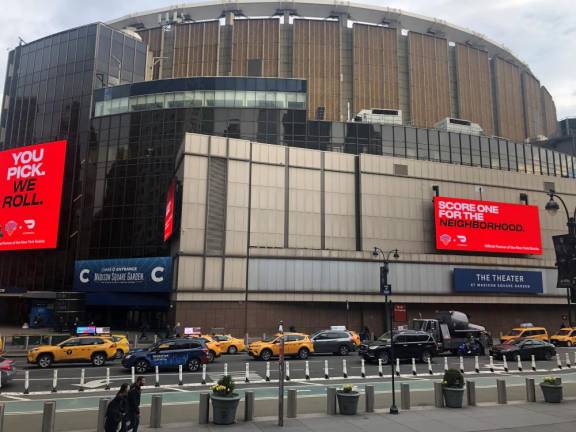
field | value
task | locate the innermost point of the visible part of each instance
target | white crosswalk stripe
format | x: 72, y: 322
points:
x: 236, y: 376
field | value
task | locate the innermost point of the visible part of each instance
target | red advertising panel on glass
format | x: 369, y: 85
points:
x: 169, y: 217
x: 484, y: 226
x: 30, y: 196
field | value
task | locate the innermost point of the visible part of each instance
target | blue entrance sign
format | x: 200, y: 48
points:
x: 141, y: 275
x: 497, y: 281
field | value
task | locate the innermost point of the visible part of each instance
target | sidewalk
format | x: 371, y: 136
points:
x: 535, y: 417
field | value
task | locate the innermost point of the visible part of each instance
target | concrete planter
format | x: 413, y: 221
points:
x: 348, y: 402
x: 552, y: 393
x: 453, y: 397
x: 224, y: 408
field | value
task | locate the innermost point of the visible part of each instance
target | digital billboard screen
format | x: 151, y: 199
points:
x: 169, y: 216
x: 30, y: 195
x: 485, y: 226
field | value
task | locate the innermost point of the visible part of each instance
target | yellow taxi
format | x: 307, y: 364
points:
x: 355, y: 338
x: 214, y: 349
x: 229, y: 344
x: 296, y: 345
x: 86, y: 349
x: 528, y: 332
x: 565, y: 337
x: 1, y: 345
x: 122, y: 344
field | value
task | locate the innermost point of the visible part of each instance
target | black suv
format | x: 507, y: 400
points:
x: 408, y: 344
x: 338, y: 342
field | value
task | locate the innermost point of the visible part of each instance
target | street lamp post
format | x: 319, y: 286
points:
x: 281, y: 376
x: 553, y: 207
x: 386, y: 290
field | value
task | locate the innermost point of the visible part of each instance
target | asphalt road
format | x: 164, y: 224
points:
x: 41, y: 380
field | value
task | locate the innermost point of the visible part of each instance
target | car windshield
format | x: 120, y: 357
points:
x: 515, y: 332
x: 563, y: 332
x: 270, y: 339
x: 385, y: 337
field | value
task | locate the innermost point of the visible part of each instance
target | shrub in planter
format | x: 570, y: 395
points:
x: 453, y: 388
x: 347, y: 400
x: 552, y: 389
x: 224, y: 401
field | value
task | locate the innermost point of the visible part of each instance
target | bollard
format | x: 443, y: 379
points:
x: 519, y: 360
x: 362, y: 368
x: 248, y: 406
x: 505, y: 363
x: 568, y: 364
x: 82, y: 379
x: 292, y: 410
x: 1, y: 417
x: 476, y: 365
x: 430, y: 371
x: 156, y: 377
x: 344, y: 369
x: 55, y: 381
x: 26, y: 384
x: 267, y: 371
x: 203, y: 374
x: 247, y: 373
x: 133, y: 374
x: 530, y: 390
x: 155, y: 338
x: 287, y: 372
x: 204, y: 408
x: 180, y: 378
x: 48, y: 416
x: 102, y: 406
x: 136, y: 341
x: 471, y: 393
x: 501, y: 387
x: 380, y: 371
x: 331, y: 400
x: 445, y: 364
x: 414, y: 372
x: 438, y: 395
x: 326, y: 376
x: 533, y: 363
x: 156, y: 412
x: 369, y: 398
x: 558, y: 361
x: 404, y: 396
x: 491, y: 364
x: 225, y: 369
x: 107, y: 386
x: 307, y: 372
x: 397, y: 367
x: 461, y: 364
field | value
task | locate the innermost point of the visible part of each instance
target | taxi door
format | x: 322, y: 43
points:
x: 163, y: 356
x: 291, y: 345
x: 69, y: 350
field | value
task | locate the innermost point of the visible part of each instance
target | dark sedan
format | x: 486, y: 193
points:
x: 525, y: 348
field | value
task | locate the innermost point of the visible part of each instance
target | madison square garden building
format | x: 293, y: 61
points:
x: 232, y: 165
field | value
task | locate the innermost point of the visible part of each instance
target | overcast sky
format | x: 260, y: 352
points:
x: 540, y: 32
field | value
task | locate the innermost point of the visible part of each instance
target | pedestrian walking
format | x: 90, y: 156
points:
x: 116, y: 411
x: 133, y: 405
x: 178, y: 330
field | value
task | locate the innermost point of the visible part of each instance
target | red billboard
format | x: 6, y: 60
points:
x: 30, y: 195
x: 484, y: 226
x: 169, y: 216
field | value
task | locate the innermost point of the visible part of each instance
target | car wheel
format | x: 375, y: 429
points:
x: 44, y: 361
x: 193, y: 365
x: 119, y: 354
x: 211, y: 356
x: 303, y: 353
x: 98, y: 359
x: 343, y: 350
x: 232, y: 350
x: 547, y: 355
x: 141, y: 366
x: 266, y: 355
x: 385, y: 357
x: 425, y: 356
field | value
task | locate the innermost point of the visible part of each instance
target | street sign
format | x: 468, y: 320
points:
x: 385, y: 288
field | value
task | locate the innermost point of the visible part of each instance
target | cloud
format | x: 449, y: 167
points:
x: 539, y: 32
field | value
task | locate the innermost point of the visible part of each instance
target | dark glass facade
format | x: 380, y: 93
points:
x: 48, y: 96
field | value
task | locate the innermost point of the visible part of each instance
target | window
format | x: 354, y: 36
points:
x: 322, y: 336
x: 294, y: 338
x: 71, y: 343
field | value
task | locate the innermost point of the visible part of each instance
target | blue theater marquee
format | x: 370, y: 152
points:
x: 468, y: 280
x: 137, y: 275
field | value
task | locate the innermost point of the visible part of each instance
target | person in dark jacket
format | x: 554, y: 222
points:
x: 133, y: 405
x: 116, y: 410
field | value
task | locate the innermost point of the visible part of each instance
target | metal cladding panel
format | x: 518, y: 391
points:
x: 196, y: 49
x: 256, y: 39
x: 508, y: 100
x: 533, y: 114
x: 474, y: 88
x: 153, y: 38
x: 375, y: 67
x: 549, y: 113
x: 316, y: 57
x: 429, y: 79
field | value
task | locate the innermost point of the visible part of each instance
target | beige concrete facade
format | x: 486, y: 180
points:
x: 316, y: 216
